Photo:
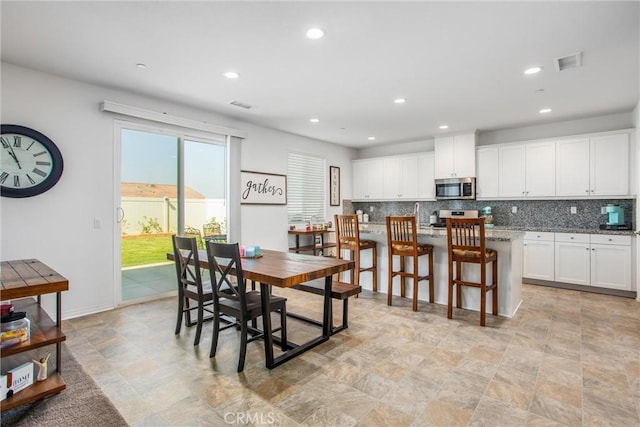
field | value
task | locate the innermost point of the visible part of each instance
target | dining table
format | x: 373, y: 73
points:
x: 287, y: 270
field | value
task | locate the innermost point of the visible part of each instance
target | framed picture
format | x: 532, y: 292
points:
x: 258, y: 188
x: 334, y: 186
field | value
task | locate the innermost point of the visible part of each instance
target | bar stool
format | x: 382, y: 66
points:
x: 402, y: 240
x: 466, y: 243
x: 348, y: 238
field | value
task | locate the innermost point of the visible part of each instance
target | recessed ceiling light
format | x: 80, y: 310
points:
x: 444, y: 127
x: 372, y: 138
x: 399, y: 100
x: 314, y: 120
x: 141, y: 65
x: 539, y: 91
x: 545, y: 110
x: 231, y: 75
x: 315, y: 33
x: 533, y: 70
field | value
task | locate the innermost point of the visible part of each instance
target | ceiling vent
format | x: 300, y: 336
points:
x: 567, y: 62
x: 241, y: 104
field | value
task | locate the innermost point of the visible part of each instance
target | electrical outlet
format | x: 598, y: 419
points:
x: 514, y: 209
x: 371, y: 208
x: 574, y: 210
x: 603, y: 210
x: 97, y: 223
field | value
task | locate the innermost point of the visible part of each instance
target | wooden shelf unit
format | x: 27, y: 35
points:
x: 315, y: 249
x: 20, y: 281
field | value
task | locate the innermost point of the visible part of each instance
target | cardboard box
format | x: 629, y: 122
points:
x: 20, y: 377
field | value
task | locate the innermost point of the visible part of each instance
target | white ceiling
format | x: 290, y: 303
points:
x: 459, y: 63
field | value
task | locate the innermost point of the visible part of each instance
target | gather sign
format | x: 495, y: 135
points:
x: 261, y: 188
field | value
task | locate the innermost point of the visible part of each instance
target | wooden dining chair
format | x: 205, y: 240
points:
x: 466, y: 244
x: 191, y: 287
x: 402, y: 240
x: 348, y: 239
x: 231, y: 298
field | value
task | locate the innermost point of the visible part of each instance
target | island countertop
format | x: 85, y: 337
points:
x: 491, y: 234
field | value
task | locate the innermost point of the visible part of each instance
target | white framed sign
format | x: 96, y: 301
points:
x: 258, y: 188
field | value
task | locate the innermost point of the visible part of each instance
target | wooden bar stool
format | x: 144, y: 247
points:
x: 402, y: 240
x: 466, y: 243
x: 348, y: 238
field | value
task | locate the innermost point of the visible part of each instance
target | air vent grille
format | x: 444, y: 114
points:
x: 570, y: 61
x: 241, y: 104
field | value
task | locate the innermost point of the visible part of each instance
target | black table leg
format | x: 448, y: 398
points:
x: 266, y: 325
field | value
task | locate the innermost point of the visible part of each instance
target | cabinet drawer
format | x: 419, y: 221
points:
x: 611, y: 239
x: 572, y: 237
x: 539, y: 235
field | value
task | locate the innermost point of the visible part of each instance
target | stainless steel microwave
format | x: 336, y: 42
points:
x: 456, y: 189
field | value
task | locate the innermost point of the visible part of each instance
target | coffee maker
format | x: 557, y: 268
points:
x: 615, y: 219
x: 488, y: 217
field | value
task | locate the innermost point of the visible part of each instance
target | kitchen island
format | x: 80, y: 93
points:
x: 508, y: 243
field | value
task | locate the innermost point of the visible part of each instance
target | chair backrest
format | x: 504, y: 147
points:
x: 225, y: 262
x: 466, y: 236
x: 401, y: 232
x: 347, y: 232
x: 211, y: 229
x: 185, y: 251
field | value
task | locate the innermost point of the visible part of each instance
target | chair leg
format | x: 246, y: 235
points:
x: 458, y: 287
x: 214, y: 338
x: 390, y: 278
x: 196, y: 340
x: 180, y: 312
x: 283, y: 327
x: 450, y: 286
x: 187, y: 318
x: 403, y: 291
x: 483, y: 293
x: 415, y: 283
x: 495, y: 287
x: 374, y: 268
x: 243, y: 345
x: 431, y: 283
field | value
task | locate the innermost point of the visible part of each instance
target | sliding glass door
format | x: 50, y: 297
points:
x: 169, y: 183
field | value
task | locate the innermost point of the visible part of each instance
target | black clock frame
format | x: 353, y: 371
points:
x: 56, y: 159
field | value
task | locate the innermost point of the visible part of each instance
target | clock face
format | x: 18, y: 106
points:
x: 30, y: 162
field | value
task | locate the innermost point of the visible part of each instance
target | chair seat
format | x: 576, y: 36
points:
x: 467, y: 254
x: 364, y: 244
x: 253, y: 302
x: 402, y: 249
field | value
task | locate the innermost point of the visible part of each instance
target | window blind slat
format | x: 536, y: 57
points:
x: 305, y: 188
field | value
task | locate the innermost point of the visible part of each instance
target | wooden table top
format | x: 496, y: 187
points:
x: 29, y: 277
x: 285, y: 269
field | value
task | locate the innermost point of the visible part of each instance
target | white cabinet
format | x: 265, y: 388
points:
x: 611, y: 261
x: 400, y: 178
x: 455, y: 156
x: 597, y: 166
x: 527, y: 170
x: 599, y: 260
x: 572, y: 258
x: 487, y: 172
x: 368, y: 179
x: 426, y: 175
x: 538, y: 256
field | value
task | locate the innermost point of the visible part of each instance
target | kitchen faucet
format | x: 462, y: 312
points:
x: 416, y: 212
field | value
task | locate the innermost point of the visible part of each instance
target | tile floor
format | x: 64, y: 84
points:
x: 567, y: 358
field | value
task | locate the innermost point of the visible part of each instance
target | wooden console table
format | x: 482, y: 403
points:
x: 20, y: 280
x: 313, y: 248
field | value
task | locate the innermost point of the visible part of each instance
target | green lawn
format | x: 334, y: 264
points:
x: 145, y: 250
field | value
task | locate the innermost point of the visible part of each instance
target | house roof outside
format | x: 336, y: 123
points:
x: 140, y: 189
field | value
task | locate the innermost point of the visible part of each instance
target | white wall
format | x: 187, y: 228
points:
x: 57, y: 226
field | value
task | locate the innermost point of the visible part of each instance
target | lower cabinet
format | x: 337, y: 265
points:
x: 599, y: 260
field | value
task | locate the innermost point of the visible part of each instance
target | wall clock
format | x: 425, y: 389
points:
x: 30, y: 163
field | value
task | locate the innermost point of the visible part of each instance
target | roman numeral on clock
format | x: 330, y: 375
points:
x: 30, y: 179
x: 3, y: 177
x: 5, y: 143
x: 16, y: 181
x: 17, y: 141
x: 39, y: 172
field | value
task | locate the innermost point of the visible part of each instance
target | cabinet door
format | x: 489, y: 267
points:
x: 464, y: 156
x: 408, y: 177
x: 360, y: 170
x: 487, y: 174
x: 572, y: 263
x: 538, y: 262
x: 572, y: 167
x: 610, y: 165
x: 540, y: 169
x: 426, y: 175
x: 611, y: 266
x: 444, y: 163
x: 511, y: 170
x: 391, y: 182
x: 375, y: 180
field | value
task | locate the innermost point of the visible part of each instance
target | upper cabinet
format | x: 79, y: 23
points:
x: 426, y: 169
x: 455, y: 156
x: 527, y: 170
x: 368, y: 179
x: 400, y: 178
x: 487, y: 173
x: 597, y: 166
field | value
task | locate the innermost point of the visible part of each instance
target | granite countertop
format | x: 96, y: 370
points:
x: 569, y: 230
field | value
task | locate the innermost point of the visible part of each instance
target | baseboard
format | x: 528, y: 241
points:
x: 582, y: 288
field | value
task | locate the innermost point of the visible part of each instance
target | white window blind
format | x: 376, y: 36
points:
x: 306, y: 185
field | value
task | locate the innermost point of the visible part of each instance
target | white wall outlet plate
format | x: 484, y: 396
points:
x: 514, y: 209
x: 603, y: 210
x: 574, y: 210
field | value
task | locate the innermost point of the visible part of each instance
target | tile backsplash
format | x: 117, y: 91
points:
x: 530, y: 213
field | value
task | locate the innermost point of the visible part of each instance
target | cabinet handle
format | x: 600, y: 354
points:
x: 593, y: 249
x: 587, y: 248
x: 610, y: 240
x: 571, y: 238
x: 586, y: 191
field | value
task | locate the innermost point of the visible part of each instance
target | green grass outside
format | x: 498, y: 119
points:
x: 145, y: 250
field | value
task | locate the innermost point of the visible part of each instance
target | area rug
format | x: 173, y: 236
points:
x: 81, y: 404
